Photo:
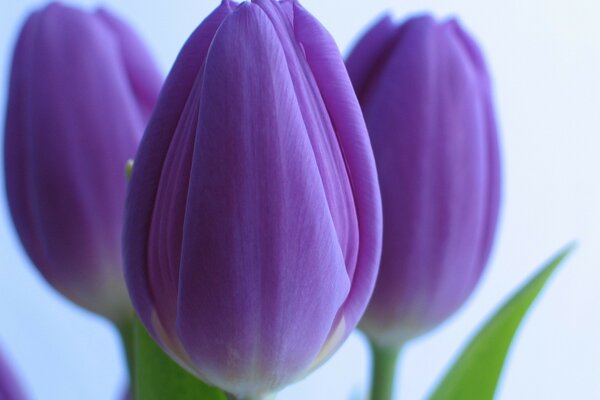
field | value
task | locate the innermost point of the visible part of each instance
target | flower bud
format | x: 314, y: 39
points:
x: 425, y: 93
x: 10, y: 388
x: 82, y: 87
x: 253, y: 226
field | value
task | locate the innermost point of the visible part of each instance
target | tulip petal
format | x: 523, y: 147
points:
x: 143, y: 75
x: 370, y: 53
x: 492, y: 154
x: 15, y: 145
x: 262, y: 272
x: 146, y: 176
x: 324, y: 141
x: 336, y: 89
x: 10, y: 389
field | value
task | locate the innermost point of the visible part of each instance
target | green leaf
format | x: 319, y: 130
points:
x: 157, y: 377
x: 475, y: 373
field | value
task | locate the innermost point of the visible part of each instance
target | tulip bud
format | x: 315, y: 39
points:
x: 82, y: 87
x: 426, y: 98
x: 10, y: 389
x: 252, y: 232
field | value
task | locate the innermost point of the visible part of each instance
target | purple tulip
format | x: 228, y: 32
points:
x: 10, y: 388
x: 81, y: 90
x: 425, y: 93
x: 253, y: 221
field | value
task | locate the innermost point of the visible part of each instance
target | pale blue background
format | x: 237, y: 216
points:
x: 545, y: 58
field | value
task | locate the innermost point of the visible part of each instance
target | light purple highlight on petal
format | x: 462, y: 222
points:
x: 336, y: 89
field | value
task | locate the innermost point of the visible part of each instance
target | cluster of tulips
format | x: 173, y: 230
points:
x: 279, y: 196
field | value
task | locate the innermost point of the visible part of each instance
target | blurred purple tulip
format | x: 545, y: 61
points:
x: 10, y: 388
x: 82, y: 87
x: 425, y: 93
x: 253, y: 225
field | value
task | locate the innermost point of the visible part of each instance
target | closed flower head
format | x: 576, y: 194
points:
x: 82, y: 87
x: 426, y: 97
x: 252, y: 233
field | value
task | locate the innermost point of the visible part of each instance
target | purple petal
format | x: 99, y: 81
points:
x: 337, y: 92
x: 493, y: 147
x: 144, y: 77
x: 10, y: 388
x: 324, y: 141
x: 261, y: 259
x: 144, y: 185
x: 370, y: 53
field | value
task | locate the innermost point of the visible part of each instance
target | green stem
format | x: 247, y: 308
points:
x: 383, y: 371
x: 127, y: 338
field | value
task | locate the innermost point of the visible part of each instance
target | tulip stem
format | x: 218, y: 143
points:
x: 127, y: 338
x: 383, y: 371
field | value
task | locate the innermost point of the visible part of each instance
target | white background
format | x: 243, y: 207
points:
x: 545, y: 59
